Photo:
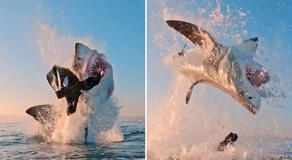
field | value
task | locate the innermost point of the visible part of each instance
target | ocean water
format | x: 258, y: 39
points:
x: 16, y: 144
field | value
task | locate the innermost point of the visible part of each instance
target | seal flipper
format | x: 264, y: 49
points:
x: 42, y: 113
x: 190, y: 91
x: 60, y: 77
x: 229, y: 139
x: 194, y: 33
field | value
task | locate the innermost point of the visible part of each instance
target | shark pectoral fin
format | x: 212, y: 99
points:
x: 190, y: 91
x: 194, y: 33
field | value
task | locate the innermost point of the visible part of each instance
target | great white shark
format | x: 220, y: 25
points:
x: 231, y: 69
x: 89, y: 85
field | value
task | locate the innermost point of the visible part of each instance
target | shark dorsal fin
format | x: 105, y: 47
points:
x: 42, y: 113
x: 195, y: 34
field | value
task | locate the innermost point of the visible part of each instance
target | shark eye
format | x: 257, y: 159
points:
x: 79, y: 58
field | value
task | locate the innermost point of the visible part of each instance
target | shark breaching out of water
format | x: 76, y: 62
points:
x: 231, y: 69
x: 90, y: 89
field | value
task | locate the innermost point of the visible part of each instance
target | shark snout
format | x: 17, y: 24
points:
x: 76, y: 46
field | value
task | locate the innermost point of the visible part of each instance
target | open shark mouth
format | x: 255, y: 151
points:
x: 257, y: 77
x: 97, y: 65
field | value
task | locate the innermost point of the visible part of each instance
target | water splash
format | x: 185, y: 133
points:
x: 193, y: 131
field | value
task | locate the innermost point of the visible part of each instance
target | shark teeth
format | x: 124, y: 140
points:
x: 97, y: 67
x: 257, y: 77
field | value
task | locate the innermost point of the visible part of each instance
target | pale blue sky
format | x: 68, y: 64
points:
x: 118, y: 24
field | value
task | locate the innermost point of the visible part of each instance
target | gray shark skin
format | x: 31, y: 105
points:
x: 42, y: 113
x: 231, y: 69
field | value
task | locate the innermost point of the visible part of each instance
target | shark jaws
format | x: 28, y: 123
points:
x: 92, y: 85
x: 231, y: 69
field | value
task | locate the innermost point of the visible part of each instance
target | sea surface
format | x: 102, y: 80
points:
x: 16, y: 144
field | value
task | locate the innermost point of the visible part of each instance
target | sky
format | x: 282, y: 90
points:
x: 118, y: 25
x: 269, y: 20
